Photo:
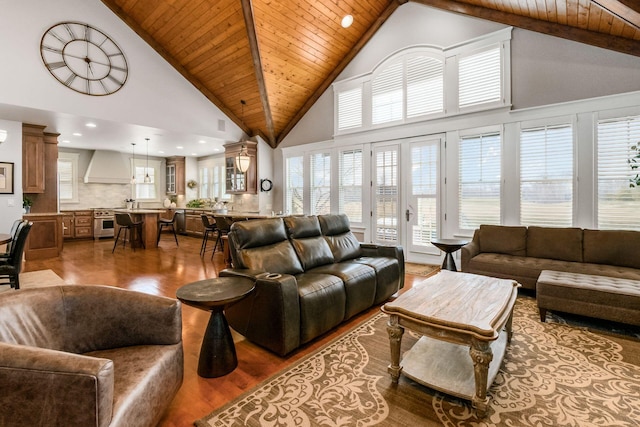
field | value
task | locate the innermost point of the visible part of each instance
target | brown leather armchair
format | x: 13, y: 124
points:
x: 88, y: 356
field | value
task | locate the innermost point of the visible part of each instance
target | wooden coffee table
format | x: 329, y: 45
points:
x: 453, y: 312
x: 218, y: 352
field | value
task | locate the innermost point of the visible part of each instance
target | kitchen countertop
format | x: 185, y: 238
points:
x: 140, y: 211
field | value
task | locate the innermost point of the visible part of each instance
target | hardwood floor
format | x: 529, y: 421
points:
x: 162, y: 271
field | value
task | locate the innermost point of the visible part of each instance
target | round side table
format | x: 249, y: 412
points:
x: 218, y: 352
x: 449, y: 246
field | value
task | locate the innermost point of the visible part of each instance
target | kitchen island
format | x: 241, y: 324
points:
x: 149, y: 227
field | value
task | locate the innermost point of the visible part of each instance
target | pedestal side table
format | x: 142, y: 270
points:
x: 218, y: 352
x: 449, y: 246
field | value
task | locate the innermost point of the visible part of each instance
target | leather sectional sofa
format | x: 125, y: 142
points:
x: 88, y: 356
x: 588, y: 272
x: 311, y: 274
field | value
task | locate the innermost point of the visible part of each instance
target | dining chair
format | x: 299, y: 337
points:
x: 209, y: 228
x: 223, y: 224
x: 125, y: 223
x: 163, y: 222
x: 14, y: 235
x: 10, y: 267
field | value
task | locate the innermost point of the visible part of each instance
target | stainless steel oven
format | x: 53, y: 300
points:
x: 103, y: 223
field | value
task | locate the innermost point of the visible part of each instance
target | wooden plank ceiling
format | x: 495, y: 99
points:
x: 279, y: 56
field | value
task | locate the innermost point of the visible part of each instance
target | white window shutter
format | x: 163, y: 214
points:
x: 479, y: 180
x: 425, y: 86
x: 387, y: 94
x: 350, y: 184
x: 479, y: 77
x: 618, y: 203
x: 350, y: 108
x: 546, y: 176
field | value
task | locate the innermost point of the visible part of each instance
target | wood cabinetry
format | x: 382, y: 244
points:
x: 238, y: 182
x: 193, y: 223
x: 32, y: 158
x: 175, y: 175
x: 45, y: 238
x: 77, y: 224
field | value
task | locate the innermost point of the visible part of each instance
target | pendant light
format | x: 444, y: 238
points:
x: 147, y: 179
x: 242, y: 159
x: 133, y: 167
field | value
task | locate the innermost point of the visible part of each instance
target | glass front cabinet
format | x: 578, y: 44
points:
x: 238, y: 182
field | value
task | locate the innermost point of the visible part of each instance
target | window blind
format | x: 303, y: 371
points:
x: 350, y: 184
x: 387, y: 94
x: 618, y: 203
x: 479, y: 180
x: 350, y: 108
x: 320, y: 183
x: 294, y: 185
x: 546, y: 176
x: 424, y: 189
x: 386, y: 203
x: 425, y: 86
x: 480, y: 78
x: 65, y: 171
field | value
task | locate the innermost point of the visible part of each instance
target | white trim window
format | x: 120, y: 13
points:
x: 68, y: 177
x: 147, y: 192
x: 618, y: 203
x: 320, y: 183
x: 480, y: 180
x: 546, y: 175
x: 427, y: 82
x: 294, y: 185
x: 350, y: 184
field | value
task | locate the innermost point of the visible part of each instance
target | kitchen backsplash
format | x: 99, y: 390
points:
x: 113, y: 196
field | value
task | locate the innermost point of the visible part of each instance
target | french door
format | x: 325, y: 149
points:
x: 405, y: 195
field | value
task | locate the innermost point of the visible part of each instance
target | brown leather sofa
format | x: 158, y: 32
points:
x: 522, y: 253
x: 311, y: 274
x: 88, y: 356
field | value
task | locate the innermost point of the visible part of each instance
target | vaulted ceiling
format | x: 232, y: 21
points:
x: 264, y: 63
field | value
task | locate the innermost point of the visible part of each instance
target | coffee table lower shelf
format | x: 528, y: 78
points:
x: 448, y: 367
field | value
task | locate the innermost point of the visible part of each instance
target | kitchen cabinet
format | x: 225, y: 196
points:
x: 33, y: 163
x: 175, y: 175
x: 45, y: 238
x: 193, y: 223
x: 77, y: 224
x: 238, y: 182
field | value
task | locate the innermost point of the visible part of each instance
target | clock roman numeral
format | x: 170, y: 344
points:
x: 116, y: 81
x: 87, y: 33
x: 56, y: 65
x: 51, y: 49
x: 70, y: 79
x: 70, y: 31
x: 115, y: 67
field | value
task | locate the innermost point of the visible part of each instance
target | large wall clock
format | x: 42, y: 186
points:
x: 84, y: 58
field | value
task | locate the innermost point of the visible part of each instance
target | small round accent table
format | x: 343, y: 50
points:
x: 449, y: 246
x: 218, y: 352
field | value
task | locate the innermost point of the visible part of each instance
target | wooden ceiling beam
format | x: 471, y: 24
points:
x: 623, y: 9
x: 174, y: 63
x: 618, y: 44
x: 247, y: 11
x: 341, y: 66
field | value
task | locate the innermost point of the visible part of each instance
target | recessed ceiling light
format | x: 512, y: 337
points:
x: 76, y: 134
x: 202, y: 141
x: 66, y: 141
x: 90, y: 125
x: 179, y: 147
x: 161, y: 152
x: 347, y: 21
x: 194, y: 154
x: 216, y: 149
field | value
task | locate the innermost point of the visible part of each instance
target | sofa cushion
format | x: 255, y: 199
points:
x: 387, y: 275
x: 276, y: 258
x: 258, y: 232
x: 613, y: 247
x: 564, y: 244
x: 501, y: 239
x: 322, y: 303
x: 312, y: 251
x: 341, y: 240
x: 299, y: 227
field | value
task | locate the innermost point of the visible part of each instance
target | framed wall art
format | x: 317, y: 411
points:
x: 6, y: 178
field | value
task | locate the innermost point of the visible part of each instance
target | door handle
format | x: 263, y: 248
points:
x: 407, y: 214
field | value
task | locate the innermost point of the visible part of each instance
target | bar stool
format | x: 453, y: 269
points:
x: 223, y: 224
x: 125, y: 222
x: 163, y: 222
x: 209, y: 228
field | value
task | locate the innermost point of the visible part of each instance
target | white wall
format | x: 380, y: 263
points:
x: 11, y: 152
x: 545, y: 69
x: 154, y: 95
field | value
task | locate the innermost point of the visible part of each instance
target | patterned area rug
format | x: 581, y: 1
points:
x: 36, y: 279
x: 552, y: 375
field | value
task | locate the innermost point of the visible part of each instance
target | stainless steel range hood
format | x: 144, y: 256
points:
x: 108, y: 167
